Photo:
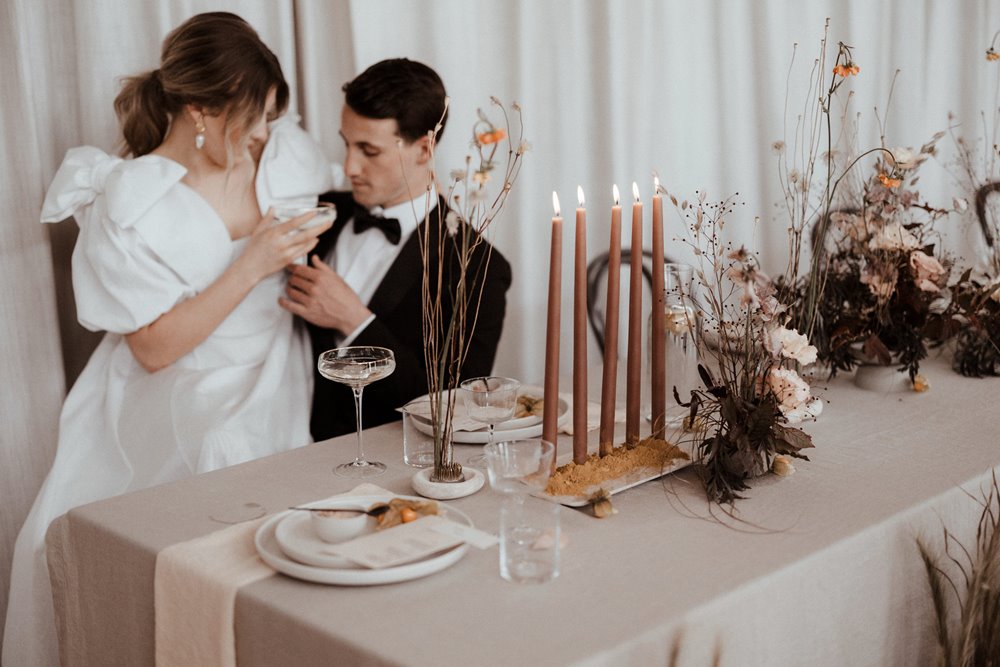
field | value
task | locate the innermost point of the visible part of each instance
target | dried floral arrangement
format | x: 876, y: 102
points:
x: 873, y: 290
x: 740, y: 419
x: 454, y: 241
x: 975, y: 312
x: 883, y: 299
x: 970, y: 579
x: 976, y: 296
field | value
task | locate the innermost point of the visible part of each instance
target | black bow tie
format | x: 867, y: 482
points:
x: 363, y: 220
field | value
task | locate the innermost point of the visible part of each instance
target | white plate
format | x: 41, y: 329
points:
x: 296, y: 537
x: 271, y: 553
x: 513, y: 429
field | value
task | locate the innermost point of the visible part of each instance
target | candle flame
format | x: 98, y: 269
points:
x: 579, y: 195
x: 555, y: 202
x: 635, y: 191
x: 614, y: 192
x: 656, y: 184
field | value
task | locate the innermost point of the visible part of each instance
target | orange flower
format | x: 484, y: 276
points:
x: 888, y: 181
x: 846, y: 70
x: 491, y: 137
x: 920, y: 383
x: 991, y: 54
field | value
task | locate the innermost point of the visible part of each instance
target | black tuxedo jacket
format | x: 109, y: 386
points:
x: 397, y: 304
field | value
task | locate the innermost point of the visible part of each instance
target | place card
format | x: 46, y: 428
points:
x: 471, y: 536
x: 400, y: 544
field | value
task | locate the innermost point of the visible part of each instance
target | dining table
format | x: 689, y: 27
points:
x: 820, y: 567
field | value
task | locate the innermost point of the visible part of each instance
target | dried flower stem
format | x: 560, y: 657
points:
x: 450, y: 243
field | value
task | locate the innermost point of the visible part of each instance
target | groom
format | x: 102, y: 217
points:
x: 363, y: 283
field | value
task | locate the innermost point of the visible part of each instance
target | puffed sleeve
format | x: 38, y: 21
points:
x: 121, y: 280
x: 293, y: 169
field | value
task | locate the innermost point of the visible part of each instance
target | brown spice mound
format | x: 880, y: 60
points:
x: 576, y: 480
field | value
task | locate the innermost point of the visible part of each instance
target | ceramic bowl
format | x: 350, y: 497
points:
x: 339, y: 525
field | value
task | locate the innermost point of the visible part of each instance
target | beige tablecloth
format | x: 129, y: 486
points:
x: 819, y: 568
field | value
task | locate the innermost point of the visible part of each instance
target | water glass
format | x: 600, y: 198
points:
x: 519, y: 466
x: 418, y: 444
x: 529, y: 540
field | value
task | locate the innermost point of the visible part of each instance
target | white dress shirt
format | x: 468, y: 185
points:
x: 362, y: 260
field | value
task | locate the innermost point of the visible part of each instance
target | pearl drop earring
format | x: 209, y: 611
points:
x: 199, y: 138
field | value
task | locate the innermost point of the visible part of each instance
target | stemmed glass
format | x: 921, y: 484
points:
x: 357, y: 366
x: 491, y: 401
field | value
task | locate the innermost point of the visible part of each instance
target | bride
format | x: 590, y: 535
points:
x: 179, y: 263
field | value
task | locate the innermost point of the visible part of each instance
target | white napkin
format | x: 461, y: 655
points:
x: 195, y: 591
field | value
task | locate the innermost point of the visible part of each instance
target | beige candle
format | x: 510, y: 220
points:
x: 609, y: 381
x: 657, y: 360
x: 550, y: 415
x: 580, y: 336
x: 633, y: 364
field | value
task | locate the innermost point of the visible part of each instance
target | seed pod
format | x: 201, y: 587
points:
x: 601, y: 504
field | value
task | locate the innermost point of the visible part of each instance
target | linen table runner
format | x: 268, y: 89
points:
x: 195, y: 592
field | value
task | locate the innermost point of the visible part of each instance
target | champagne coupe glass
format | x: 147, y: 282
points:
x: 357, y: 366
x: 325, y: 212
x: 491, y: 401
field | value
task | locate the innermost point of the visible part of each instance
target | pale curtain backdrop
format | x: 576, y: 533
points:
x: 611, y: 91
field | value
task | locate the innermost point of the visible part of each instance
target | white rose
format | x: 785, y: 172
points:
x: 796, y: 346
x: 788, y: 389
x: 792, y: 345
x: 893, y: 236
x: 808, y: 410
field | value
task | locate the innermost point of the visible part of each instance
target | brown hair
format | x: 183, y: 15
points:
x: 214, y: 60
x: 405, y: 90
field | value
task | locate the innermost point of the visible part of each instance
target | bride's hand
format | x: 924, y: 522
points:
x: 273, y: 246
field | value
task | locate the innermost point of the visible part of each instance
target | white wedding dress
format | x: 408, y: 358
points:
x: 147, y: 242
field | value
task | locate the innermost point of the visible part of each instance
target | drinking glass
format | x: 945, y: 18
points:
x: 325, y: 212
x: 491, y: 401
x: 530, y: 537
x: 357, y: 366
x: 519, y: 466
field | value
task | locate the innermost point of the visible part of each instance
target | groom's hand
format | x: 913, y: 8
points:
x: 321, y: 297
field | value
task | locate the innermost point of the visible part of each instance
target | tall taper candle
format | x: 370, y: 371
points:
x: 550, y: 414
x: 609, y: 382
x: 657, y: 359
x: 580, y: 336
x: 633, y: 370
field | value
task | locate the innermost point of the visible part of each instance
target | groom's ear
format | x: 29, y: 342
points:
x: 425, y: 149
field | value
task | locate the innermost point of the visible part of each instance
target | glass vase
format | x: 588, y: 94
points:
x: 681, y: 333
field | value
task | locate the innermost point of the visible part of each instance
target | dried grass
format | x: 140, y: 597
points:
x: 971, y: 581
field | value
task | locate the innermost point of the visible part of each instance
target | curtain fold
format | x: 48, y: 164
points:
x: 32, y: 385
x: 612, y: 91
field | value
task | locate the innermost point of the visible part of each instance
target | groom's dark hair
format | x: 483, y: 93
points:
x: 407, y: 91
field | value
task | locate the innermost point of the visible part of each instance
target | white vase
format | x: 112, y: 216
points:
x: 882, y: 379
x: 423, y: 485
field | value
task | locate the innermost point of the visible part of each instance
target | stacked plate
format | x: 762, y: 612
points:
x: 469, y: 432
x: 288, y: 543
